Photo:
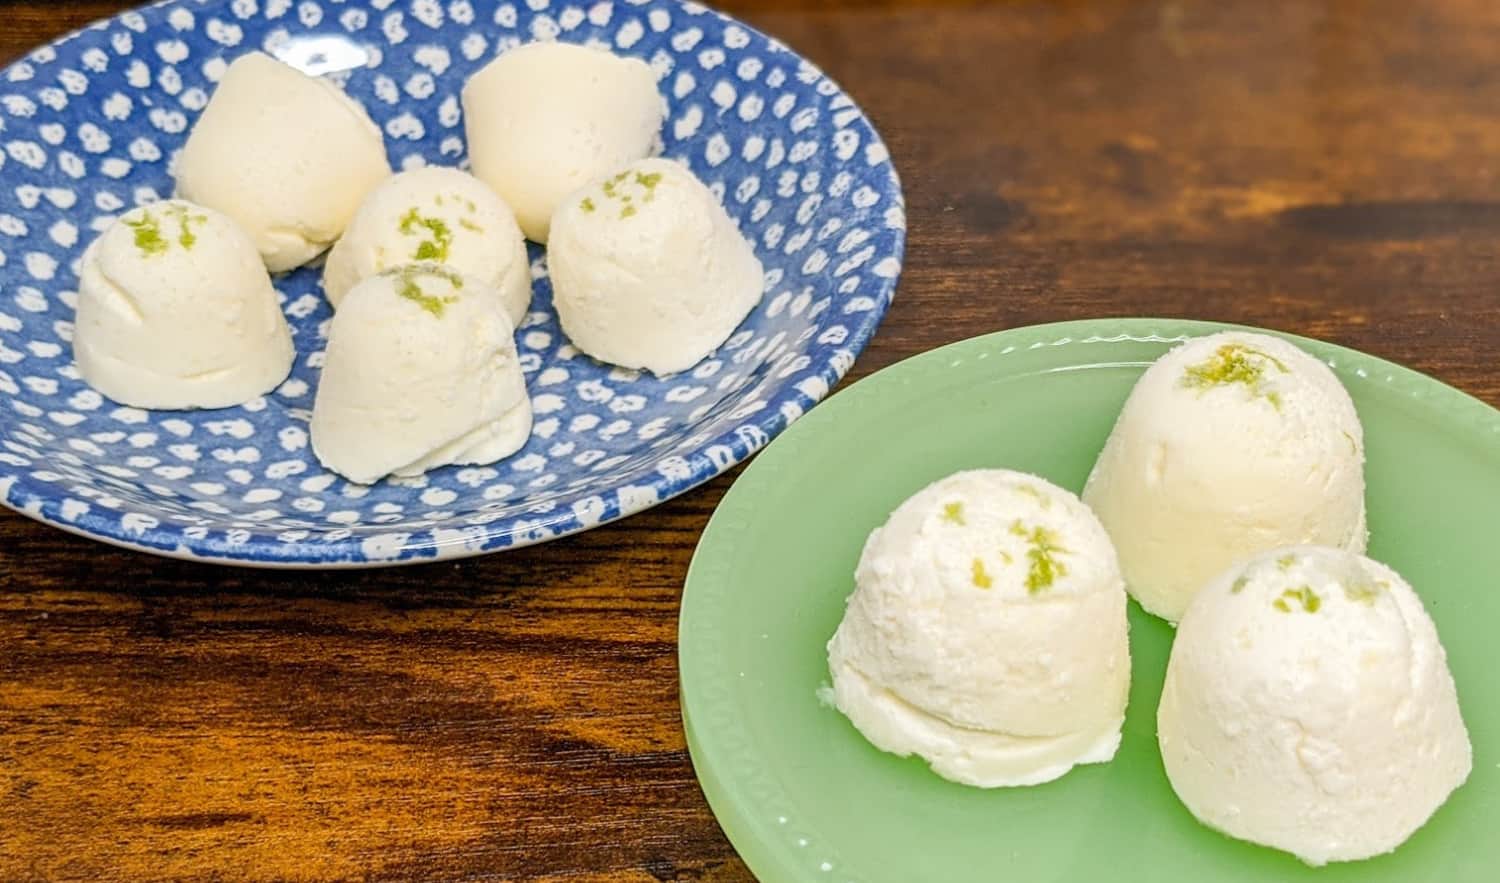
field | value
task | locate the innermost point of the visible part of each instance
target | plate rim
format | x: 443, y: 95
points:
x: 772, y: 857
x: 22, y: 494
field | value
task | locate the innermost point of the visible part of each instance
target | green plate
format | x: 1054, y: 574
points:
x: 804, y: 798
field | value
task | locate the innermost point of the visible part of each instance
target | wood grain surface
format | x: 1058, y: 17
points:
x: 1328, y: 168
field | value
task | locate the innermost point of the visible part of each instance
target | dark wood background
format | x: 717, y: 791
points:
x: 1325, y: 167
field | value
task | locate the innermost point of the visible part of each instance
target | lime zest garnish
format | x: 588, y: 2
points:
x: 1043, y: 564
x: 410, y: 279
x: 1303, y: 595
x: 1236, y: 363
x: 148, y: 233
x: 440, y: 236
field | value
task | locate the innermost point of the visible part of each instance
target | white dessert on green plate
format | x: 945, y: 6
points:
x: 421, y: 371
x: 1229, y: 445
x: 176, y: 310
x: 987, y: 633
x: 289, y: 157
x: 546, y: 118
x: 434, y: 215
x: 648, y: 270
x: 1308, y: 707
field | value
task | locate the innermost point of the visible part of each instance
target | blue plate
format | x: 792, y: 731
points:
x: 88, y: 129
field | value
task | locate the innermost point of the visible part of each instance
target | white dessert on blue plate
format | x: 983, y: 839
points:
x: 1308, y: 707
x: 289, y: 157
x: 987, y: 633
x: 434, y: 215
x: 176, y: 310
x: 648, y: 270
x: 421, y: 371
x: 1228, y: 445
x: 546, y: 118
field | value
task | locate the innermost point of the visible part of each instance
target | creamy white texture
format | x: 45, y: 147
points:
x: 1308, y: 707
x: 289, y: 157
x: 545, y: 119
x: 1228, y: 445
x: 176, y: 310
x: 987, y: 633
x: 434, y: 215
x: 648, y: 270
x: 421, y: 371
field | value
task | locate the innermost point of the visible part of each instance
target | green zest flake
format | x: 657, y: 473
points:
x: 470, y: 226
x: 1006, y: 557
x: 615, y: 189
x: 587, y: 205
x: 411, y: 287
x: 439, y: 236
x: 1236, y: 363
x: 1239, y: 585
x: 148, y: 233
x: 1305, y: 596
x: 1285, y: 562
x: 185, y: 221
x: 148, y: 236
x: 1043, y: 567
x: 981, y: 577
x: 1362, y: 593
x: 648, y: 183
x: 954, y: 512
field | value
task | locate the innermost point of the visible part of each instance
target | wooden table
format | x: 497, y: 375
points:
x: 1328, y: 168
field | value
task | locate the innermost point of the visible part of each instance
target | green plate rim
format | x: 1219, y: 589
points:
x: 779, y: 852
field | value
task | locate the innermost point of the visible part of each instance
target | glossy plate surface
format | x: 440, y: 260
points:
x: 88, y: 129
x: 805, y: 798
